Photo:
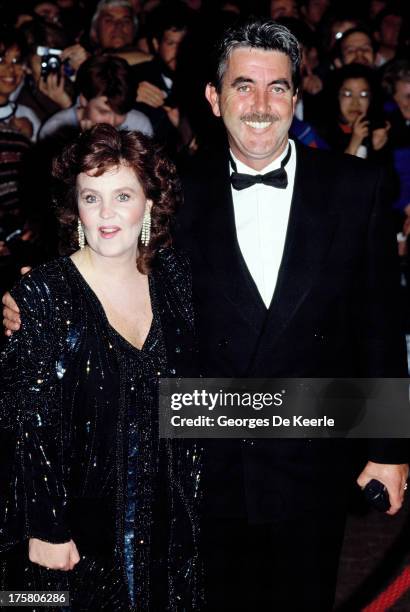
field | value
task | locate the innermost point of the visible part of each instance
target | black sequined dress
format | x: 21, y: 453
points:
x: 81, y: 403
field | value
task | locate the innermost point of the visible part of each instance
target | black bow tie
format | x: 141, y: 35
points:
x: 276, y: 178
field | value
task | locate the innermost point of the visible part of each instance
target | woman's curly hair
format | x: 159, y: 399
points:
x: 100, y: 149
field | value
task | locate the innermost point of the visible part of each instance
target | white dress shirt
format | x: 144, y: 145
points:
x: 261, y: 220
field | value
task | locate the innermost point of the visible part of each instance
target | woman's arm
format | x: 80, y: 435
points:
x: 31, y: 404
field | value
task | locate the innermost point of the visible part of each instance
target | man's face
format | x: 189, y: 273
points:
x: 168, y: 46
x: 390, y: 30
x: 283, y: 8
x: 357, y: 48
x: 256, y: 104
x: 315, y: 10
x: 115, y: 27
x: 97, y: 110
x: 402, y: 98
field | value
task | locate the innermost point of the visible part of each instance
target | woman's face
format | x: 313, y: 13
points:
x: 354, y: 99
x: 111, y: 209
x: 11, y: 71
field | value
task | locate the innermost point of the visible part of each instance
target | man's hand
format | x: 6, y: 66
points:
x: 393, y: 477
x: 150, y: 94
x: 11, y: 312
x: 53, y: 556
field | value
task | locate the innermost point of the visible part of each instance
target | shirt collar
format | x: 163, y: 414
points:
x: 274, y: 165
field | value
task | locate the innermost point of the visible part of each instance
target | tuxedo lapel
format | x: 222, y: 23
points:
x: 220, y: 249
x: 309, y: 236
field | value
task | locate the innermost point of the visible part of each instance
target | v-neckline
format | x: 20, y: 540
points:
x: 100, y: 307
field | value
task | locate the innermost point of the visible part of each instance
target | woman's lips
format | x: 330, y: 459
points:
x: 109, y: 231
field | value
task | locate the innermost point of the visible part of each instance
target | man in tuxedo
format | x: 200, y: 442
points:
x: 292, y: 278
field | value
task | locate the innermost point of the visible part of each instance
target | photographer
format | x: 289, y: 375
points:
x: 47, y: 87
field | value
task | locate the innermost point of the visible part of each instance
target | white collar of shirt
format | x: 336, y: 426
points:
x: 274, y: 165
x: 261, y: 221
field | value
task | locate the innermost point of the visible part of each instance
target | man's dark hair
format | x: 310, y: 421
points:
x: 257, y: 34
x: 109, y: 76
x: 175, y: 17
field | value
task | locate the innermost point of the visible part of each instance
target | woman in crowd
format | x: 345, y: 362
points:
x: 12, y: 72
x: 354, y: 122
x: 108, y: 510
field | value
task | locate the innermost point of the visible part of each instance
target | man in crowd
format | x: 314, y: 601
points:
x: 356, y: 46
x: 281, y: 292
x: 156, y: 79
x: 114, y: 25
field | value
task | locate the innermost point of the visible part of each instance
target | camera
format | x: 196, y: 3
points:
x: 50, y: 61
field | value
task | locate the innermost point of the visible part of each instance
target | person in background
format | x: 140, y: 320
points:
x: 106, y: 95
x: 283, y: 8
x: 388, y: 24
x: 12, y: 71
x: 354, y: 121
x: 15, y: 232
x: 396, y: 82
x: 48, y: 11
x: 47, y: 92
x: 113, y: 25
x: 156, y: 90
x: 313, y: 12
x: 356, y: 46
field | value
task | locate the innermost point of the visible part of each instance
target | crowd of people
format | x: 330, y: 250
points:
x: 67, y: 65
x: 291, y: 272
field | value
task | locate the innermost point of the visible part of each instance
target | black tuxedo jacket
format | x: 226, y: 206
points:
x: 334, y: 313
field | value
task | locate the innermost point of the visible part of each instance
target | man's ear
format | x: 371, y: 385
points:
x: 83, y: 101
x: 295, y: 99
x: 213, y: 98
x: 155, y: 44
x: 338, y: 62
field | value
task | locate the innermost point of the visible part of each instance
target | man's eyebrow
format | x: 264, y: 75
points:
x: 241, y: 80
x: 284, y: 82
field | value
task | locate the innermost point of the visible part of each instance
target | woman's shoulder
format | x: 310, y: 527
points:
x: 174, y: 264
x: 44, y: 285
x: 174, y: 271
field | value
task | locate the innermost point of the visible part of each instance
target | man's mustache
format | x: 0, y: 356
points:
x: 260, y: 117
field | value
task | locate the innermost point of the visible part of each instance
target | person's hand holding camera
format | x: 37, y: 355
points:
x: 75, y: 55
x: 53, y: 87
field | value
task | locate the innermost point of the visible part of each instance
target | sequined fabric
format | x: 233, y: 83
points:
x: 88, y: 464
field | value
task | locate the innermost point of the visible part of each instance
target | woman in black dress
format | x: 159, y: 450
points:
x: 108, y: 510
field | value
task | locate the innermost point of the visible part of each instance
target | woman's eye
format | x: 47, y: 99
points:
x: 123, y: 197
x: 90, y: 199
